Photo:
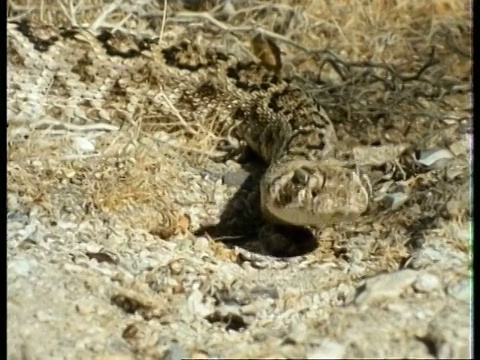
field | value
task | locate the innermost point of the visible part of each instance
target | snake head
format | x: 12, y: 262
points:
x: 312, y: 193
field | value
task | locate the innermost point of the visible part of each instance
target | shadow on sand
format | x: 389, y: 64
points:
x: 241, y: 223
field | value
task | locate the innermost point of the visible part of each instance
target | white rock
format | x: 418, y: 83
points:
x: 395, y: 200
x: 21, y: 266
x: 196, y: 306
x: 298, y: 332
x: 83, y: 144
x: 461, y: 290
x: 328, y: 350
x: 201, y: 244
x: 434, y: 157
x: 66, y: 225
x: 386, y: 286
x: 427, y: 283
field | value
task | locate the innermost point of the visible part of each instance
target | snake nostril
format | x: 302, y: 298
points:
x: 315, y: 193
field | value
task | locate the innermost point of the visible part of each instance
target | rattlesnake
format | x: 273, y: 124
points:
x: 73, y: 74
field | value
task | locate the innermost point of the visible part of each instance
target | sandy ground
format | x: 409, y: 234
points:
x: 105, y: 259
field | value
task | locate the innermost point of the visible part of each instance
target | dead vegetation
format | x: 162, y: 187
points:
x: 378, y: 62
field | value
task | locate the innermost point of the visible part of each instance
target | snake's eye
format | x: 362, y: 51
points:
x: 300, y: 176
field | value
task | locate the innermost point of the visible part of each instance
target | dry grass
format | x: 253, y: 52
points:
x: 129, y: 183
x: 379, y: 30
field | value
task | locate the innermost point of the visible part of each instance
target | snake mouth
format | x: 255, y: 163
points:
x: 311, y: 193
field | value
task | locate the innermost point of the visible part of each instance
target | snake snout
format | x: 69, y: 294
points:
x: 312, y: 194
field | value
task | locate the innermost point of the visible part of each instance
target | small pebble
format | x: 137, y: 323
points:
x: 196, y: 305
x: 298, y: 333
x: 66, y: 225
x: 398, y: 307
x: 83, y: 144
x: 434, y: 158
x: 255, y: 307
x: 175, y: 352
x: 235, y: 178
x: 461, y: 290
x: 21, y: 266
x: 426, y: 283
x: 328, y: 350
x: 386, y: 286
x: 12, y: 201
x: 201, y: 244
x: 394, y: 200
